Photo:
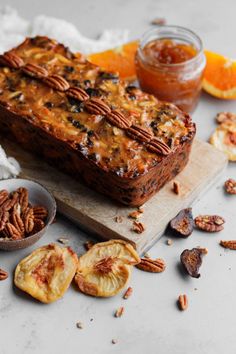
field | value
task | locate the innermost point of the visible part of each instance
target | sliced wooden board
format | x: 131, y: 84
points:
x: 96, y: 213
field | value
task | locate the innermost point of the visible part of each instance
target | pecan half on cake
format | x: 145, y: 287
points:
x: 121, y: 141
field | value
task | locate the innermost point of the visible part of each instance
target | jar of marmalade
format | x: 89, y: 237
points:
x: 170, y: 64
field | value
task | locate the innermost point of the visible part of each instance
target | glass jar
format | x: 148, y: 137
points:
x: 179, y: 82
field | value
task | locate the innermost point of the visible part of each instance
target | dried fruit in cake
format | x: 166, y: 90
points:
x: 209, y: 223
x: 220, y: 76
x: 230, y: 186
x: 182, y: 225
x: 105, y: 269
x: 119, y: 59
x: 224, y: 139
x: 47, y: 272
x: 191, y: 261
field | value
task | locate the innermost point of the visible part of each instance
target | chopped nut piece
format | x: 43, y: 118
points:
x: 159, y: 21
x: 230, y: 186
x: 152, y: 265
x: 183, y: 302
x: 128, y: 293
x: 63, y: 240
x: 88, y: 245
x: 182, y: 224
x: 3, y: 274
x: 79, y: 325
x: 120, y: 311
x: 203, y: 250
x: 231, y: 245
x: 138, y: 227
x: 191, y: 261
x: 114, y: 341
x: 176, y: 187
x: 118, y: 219
x: 209, y: 223
x: 135, y: 214
x: 225, y: 117
x: 169, y: 242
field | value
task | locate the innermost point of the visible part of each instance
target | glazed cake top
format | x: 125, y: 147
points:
x: 116, y: 126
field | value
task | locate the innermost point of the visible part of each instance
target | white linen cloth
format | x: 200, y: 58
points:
x: 14, y: 29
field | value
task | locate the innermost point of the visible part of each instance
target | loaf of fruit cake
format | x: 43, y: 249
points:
x: 119, y: 140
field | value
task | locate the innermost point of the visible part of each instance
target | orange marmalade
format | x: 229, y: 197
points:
x: 170, y: 64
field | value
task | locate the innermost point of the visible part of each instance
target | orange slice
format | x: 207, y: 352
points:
x: 220, y: 76
x: 119, y: 59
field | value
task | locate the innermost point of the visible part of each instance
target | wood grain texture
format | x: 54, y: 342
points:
x: 96, y: 213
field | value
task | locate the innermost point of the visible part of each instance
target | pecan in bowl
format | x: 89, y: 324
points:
x: 26, y: 210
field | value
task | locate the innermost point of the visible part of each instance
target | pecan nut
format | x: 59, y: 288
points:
x: 35, y: 71
x: 23, y: 198
x: 152, y: 265
x: 183, y: 302
x: 38, y: 226
x: 139, y: 133
x: 77, y: 93
x: 225, y: 117
x: 97, y: 106
x: 11, y: 231
x: 4, y: 216
x: 57, y: 82
x: 138, y: 227
x: 29, y: 220
x: 118, y: 119
x: 209, y: 223
x: 3, y: 196
x: 17, y: 221
x: 230, y: 186
x: 158, y: 146
x: 10, y: 202
x: 40, y: 212
x: 231, y: 245
x: 3, y: 274
x: 12, y: 60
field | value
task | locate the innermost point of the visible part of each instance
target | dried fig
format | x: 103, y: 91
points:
x: 182, y: 224
x: 191, y: 261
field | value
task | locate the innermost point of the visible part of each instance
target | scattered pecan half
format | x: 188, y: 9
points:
x: 191, y: 261
x: 182, y: 225
x: 120, y: 311
x: 118, y: 119
x: 138, y: 227
x: 3, y: 196
x: 135, y: 214
x: 3, y: 274
x: 128, y: 293
x: 40, y: 212
x: 57, y: 82
x: 152, y: 265
x: 34, y: 71
x: 10, y: 231
x: 139, y: 133
x: 231, y: 245
x: 230, y: 186
x: 77, y: 93
x: 97, y: 106
x: 29, y: 220
x: 88, y: 245
x: 159, y: 21
x: 12, y: 60
x: 183, y: 302
x: 23, y: 198
x: 209, y: 223
x: 158, y: 146
x: 4, y: 216
x: 118, y: 219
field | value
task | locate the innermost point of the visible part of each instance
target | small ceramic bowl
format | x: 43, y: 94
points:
x: 38, y: 195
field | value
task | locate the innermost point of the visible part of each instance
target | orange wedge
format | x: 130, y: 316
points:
x: 119, y: 59
x: 220, y: 76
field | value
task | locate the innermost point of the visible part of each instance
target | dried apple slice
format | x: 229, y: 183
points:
x: 47, y: 272
x: 105, y: 269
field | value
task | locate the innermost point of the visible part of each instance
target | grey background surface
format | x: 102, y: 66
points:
x: 152, y: 322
